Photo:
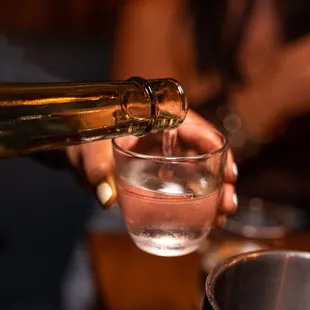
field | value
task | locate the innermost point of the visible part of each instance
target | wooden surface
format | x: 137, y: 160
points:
x: 130, y: 279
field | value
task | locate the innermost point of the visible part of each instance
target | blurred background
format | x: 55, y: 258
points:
x: 43, y: 212
x: 245, y: 66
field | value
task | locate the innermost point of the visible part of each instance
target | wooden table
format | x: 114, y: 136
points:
x: 130, y: 279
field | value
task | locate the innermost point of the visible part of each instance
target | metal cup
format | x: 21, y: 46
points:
x: 263, y: 280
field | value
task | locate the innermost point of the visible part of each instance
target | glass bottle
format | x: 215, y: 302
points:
x: 36, y: 117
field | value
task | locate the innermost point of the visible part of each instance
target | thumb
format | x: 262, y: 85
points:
x: 106, y: 191
x: 99, y: 168
x: 95, y: 162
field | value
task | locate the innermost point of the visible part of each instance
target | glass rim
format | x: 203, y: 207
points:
x: 162, y: 158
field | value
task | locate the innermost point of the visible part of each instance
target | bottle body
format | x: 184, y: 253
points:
x: 37, y: 117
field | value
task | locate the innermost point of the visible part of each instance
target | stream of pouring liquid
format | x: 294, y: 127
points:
x: 168, y: 146
x: 169, y: 142
x: 170, y: 149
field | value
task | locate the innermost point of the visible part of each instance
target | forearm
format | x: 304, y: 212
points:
x: 153, y: 40
x: 143, y: 39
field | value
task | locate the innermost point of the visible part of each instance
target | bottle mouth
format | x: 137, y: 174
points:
x: 166, y: 99
x: 182, y: 98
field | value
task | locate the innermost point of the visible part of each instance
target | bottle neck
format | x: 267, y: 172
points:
x: 45, y: 116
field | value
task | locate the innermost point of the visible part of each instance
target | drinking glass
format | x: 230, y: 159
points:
x: 169, y: 203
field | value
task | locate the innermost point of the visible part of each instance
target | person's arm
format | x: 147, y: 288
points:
x: 154, y: 40
x: 146, y: 40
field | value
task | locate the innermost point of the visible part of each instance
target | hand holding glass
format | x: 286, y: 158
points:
x: 169, y: 203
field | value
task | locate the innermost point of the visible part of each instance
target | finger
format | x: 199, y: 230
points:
x: 73, y: 153
x: 107, y: 192
x: 127, y: 142
x: 193, y: 117
x: 229, y: 201
x: 207, y: 139
x: 231, y: 172
x: 98, y: 167
x: 196, y: 129
x: 97, y: 158
x: 220, y: 220
x: 231, y: 168
x: 202, y: 136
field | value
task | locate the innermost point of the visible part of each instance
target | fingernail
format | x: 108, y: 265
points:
x: 104, y: 193
x: 235, y: 169
x: 235, y: 200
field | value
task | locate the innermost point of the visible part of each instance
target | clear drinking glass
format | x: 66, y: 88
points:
x: 169, y: 203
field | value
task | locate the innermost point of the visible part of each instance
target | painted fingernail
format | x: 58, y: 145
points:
x: 235, y: 200
x: 104, y: 193
x: 235, y: 169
